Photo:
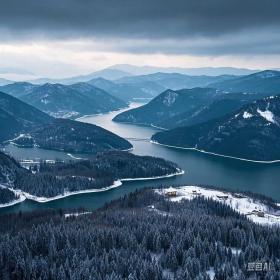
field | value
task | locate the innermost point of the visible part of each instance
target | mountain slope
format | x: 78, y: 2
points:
x: 252, y: 132
x: 28, y: 126
x: 169, y: 104
x: 9, y: 168
x: 72, y: 136
x: 267, y: 81
x: 16, y: 116
x: 66, y: 101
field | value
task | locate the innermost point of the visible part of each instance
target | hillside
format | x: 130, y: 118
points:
x: 9, y: 169
x: 253, y: 132
x: 169, y: 104
x: 66, y: 101
x: 26, y: 126
x: 17, y: 116
x: 141, y: 236
x: 267, y: 82
x: 72, y: 136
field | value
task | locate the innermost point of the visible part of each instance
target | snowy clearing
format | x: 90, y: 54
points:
x: 255, y: 210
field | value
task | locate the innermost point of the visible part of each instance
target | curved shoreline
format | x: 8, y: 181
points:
x: 14, y: 202
x: 214, y: 154
x: 117, y: 183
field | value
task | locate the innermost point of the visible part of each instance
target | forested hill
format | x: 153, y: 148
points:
x: 67, y: 101
x: 72, y: 136
x: 188, y: 107
x: 16, y: 116
x: 51, y: 180
x: 168, y: 104
x: 26, y: 126
x: 253, y: 132
x: 141, y: 236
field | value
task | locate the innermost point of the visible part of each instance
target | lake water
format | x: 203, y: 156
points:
x: 199, y: 168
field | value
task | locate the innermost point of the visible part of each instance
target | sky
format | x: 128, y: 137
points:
x: 70, y: 37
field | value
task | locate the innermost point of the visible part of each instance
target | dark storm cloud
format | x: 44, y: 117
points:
x: 147, y: 20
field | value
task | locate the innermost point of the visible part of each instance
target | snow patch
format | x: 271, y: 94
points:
x: 247, y: 115
x: 76, y: 214
x: 268, y: 115
x: 170, y: 98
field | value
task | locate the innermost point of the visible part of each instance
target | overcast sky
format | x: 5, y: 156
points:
x: 68, y: 37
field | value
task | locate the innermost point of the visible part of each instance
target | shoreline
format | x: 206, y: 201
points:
x: 214, y: 154
x: 14, y: 202
x: 117, y: 183
x: 181, y: 172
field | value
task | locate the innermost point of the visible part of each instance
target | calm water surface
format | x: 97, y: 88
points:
x: 199, y: 169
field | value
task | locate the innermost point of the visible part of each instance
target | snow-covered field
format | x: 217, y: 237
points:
x: 246, y: 205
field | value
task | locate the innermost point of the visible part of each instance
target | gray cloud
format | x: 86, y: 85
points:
x: 178, y: 26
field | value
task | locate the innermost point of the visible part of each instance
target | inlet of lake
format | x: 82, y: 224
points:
x: 200, y: 169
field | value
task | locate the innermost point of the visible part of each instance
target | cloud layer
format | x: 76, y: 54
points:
x: 199, y: 27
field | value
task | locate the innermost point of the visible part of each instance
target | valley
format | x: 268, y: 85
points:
x: 199, y: 169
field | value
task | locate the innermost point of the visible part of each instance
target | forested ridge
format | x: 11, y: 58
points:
x: 130, y: 239
x: 74, y: 137
x: 52, y: 179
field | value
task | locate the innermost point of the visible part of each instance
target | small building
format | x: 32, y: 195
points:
x: 237, y: 195
x: 194, y: 192
x: 171, y: 194
x: 258, y: 213
x: 224, y: 197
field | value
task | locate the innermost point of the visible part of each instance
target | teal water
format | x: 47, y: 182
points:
x: 199, y: 169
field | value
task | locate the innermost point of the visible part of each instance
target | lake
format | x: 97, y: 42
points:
x: 199, y: 168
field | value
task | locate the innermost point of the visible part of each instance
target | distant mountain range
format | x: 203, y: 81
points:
x: 107, y: 73
x: 65, y: 101
x: 26, y: 126
x: 174, y: 108
x: 126, y: 91
x: 252, y: 132
x: 208, y: 71
x: 267, y: 81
